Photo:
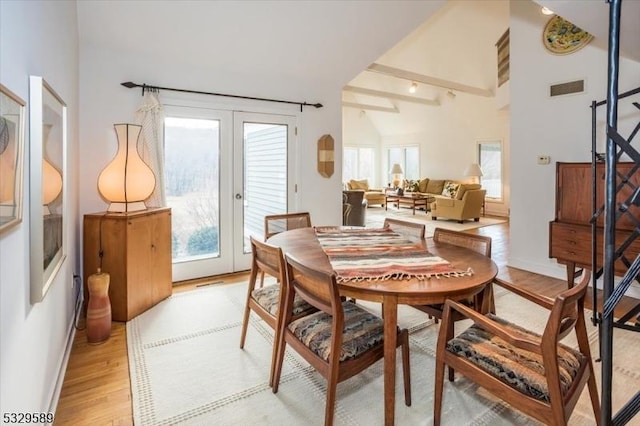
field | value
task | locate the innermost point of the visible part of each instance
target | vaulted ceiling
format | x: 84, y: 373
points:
x: 316, y: 41
x: 334, y: 42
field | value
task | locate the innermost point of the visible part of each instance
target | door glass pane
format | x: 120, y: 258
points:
x: 192, y: 184
x: 349, y: 164
x: 395, y: 156
x: 265, y: 176
x: 490, y: 159
x: 412, y: 169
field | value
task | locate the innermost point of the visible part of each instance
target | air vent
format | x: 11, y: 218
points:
x: 567, y: 88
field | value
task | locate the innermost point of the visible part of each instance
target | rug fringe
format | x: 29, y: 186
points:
x: 406, y: 276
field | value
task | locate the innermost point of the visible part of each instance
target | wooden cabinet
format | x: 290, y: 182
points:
x: 570, y: 234
x: 136, y: 251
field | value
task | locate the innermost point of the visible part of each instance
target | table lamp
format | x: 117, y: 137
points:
x: 474, y: 171
x: 396, y: 171
x: 127, y: 180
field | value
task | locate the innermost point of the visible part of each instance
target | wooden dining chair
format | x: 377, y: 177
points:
x: 478, y: 243
x: 277, y: 223
x: 266, y: 301
x: 483, y: 302
x: 340, y: 340
x: 404, y: 227
x: 534, y: 373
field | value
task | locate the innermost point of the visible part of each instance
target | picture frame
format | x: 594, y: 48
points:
x: 12, y: 119
x: 48, y: 185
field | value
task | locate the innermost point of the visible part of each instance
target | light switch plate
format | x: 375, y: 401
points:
x: 544, y: 159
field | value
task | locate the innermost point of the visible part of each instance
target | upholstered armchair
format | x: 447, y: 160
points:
x: 372, y: 195
x: 468, y: 207
x: 354, y: 214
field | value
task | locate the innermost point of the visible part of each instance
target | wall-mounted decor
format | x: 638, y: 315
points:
x: 503, y: 58
x: 12, y: 110
x: 47, y: 189
x: 561, y: 37
x: 325, y: 156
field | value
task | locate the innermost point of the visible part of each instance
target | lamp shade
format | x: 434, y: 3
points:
x: 473, y: 170
x: 396, y: 169
x: 127, y: 180
x: 51, y: 183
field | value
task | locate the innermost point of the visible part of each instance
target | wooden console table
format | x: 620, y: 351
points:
x: 136, y: 253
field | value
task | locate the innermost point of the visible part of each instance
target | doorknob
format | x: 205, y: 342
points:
x: 238, y: 196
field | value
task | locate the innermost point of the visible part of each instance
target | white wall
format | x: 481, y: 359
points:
x: 446, y: 133
x: 37, y: 38
x: 105, y: 102
x: 449, y: 144
x: 357, y: 130
x: 559, y: 127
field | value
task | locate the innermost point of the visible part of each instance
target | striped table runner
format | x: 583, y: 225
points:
x: 380, y: 254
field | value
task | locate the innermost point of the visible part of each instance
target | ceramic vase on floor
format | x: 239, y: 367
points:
x: 98, y: 308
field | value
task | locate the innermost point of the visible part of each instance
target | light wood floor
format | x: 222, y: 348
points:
x: 96, y: 389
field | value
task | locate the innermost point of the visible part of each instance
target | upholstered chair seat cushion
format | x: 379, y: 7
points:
x: 269, y: 296
x: 518, y: 368
x: 362, y: 330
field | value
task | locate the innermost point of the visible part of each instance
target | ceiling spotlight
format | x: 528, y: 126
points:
x: 451, y: 94
x: 413, y: 87
x: 546, y: 11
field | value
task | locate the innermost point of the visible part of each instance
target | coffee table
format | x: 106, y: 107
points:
x: 410, y: 200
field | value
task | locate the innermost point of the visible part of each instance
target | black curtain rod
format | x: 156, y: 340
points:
x: 131, y: 85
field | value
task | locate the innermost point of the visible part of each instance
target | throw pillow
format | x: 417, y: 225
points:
x: 450, y: 189
x: 422, y: 185
x: 411, y: 185
x: 359, y: 184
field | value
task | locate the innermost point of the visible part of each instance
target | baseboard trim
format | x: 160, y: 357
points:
x: 550, y: 270
x: 71, y: 334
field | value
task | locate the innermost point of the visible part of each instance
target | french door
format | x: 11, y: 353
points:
x: 224, y: 171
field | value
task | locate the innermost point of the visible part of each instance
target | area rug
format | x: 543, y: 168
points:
x: 187, y: 368
x: 375, y: 218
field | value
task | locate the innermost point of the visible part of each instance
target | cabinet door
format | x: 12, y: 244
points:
x: 148, y: 261
x: 574, y: 193
x: 627, y: 180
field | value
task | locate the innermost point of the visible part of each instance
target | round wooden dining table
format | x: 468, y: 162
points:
x: 304, y: 246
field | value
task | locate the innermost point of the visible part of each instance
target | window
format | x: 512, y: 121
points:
x: 408, y: 157
x: 490, y: 160
x: 357, y: 163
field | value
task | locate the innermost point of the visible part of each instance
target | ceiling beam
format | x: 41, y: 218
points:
x: 389, y: 95
x: 393, y: 110
x: 432, y: 81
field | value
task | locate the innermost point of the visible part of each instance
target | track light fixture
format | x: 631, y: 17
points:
x: 413, y: 87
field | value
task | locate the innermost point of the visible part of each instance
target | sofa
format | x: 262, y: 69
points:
x: 372, y: 195
x: 453, y: 200
x: 354, y: 208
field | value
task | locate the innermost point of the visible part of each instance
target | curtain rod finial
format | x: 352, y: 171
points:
x: 129, y: 84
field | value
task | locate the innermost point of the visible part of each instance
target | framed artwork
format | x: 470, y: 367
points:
x: 561, y: 37
x: 12, y: 111
x: 47, y: 190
